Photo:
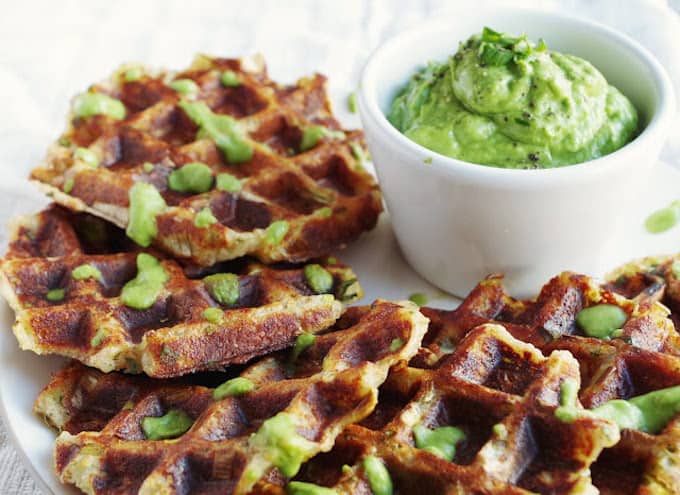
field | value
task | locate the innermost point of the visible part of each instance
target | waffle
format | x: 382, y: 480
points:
x: 502, y: 393
x: 642, y: 358
x: 655, y: 278
x: 187, y: 327
x: 310, y: 395
x: 296, y: 188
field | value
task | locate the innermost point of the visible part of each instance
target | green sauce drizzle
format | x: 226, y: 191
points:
x: 440, y: 441
x: 301, y: 488
x: 55, y: 295
x: 418, y: 298
x: 601, y: 320
x: 302, y: 343
x: 284, y: 447
x: 223, y: 287
x: 213, y: 315
x: 396, y: 344
x: 145, y: 203
x: 276, y: 231
x: 318, y: 278
x: 663, y: 219
x: 172, y: 425
x: 86, y: 271
x: 378, y: 477
x: 222, y: 129
x: 193, y: 177
x: 184, y: 86
x: 229, y: 183
x: 89, y: 104
x: 204, y: 218
x: 230, y: 79
x: 87, y: 157
x: 233, y: 387
x: 142, y: 291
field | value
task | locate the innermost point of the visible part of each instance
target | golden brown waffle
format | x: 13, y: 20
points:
x: 656, y: 278
x: 311, y: 186
x: 502, y: 393
x: 89, y: 320
x: 233, y: 442
x: 643, y: 358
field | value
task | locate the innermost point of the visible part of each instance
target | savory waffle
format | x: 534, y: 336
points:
x: 642, y: 357
x: 230, y: 163
x: 498, y: 393
x: 284, y: 410
x: 80, y: 289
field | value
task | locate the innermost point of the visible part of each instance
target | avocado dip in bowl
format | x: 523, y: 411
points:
x: 549, y: 189
x: 506, y: 101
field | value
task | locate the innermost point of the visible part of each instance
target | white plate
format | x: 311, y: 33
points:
x: 383, y: 273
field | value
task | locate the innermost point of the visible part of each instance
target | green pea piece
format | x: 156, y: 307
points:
x: 173, y: 424
x: 193, y: 177
x: 276, y: 231
x: 133, y: 74
x: 233, y: 387
x: 418, y: 298
x: 318, y: 278
x: 301, y: 488
x: 90, y: 104
x: 396, y: 344
x: 310, y: 136
x: 184, y: 86
x: 440, y: 441
x: 352, y: 102
x: 142, y: 291
x: 98, y: 338
x: 145, y: 203
x: 378, y: 477
x: 223, y: 287
x: 230, y: 79
x: 86, y: 271
x: 55, y: 295
x: 68, y: 185
x: 601, y: 320
x: 229, y: 183
x: 204, y: 218
x: 302, y: 343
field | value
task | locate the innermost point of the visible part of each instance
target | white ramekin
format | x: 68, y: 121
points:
x: 457, y: 222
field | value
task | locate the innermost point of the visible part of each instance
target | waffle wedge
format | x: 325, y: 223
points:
x: 296, y: 404
x: 642, y: 357
x: 79, y: 288
x: 277, y: 178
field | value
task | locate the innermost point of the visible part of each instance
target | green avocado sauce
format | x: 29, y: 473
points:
x: 90, y: 104
x: 222, y: 129
x: 86, y: 271
x: 506, y: 102
x: 301, y: 488
x: 378, y: 476
x: 649, y: 412
x: 440, y: 441
x: 142, y: 291
x: 145, y: 203
x: 233, y: 387
x: 223, y: 287
x: 282, y: 445
x: 171, y: 425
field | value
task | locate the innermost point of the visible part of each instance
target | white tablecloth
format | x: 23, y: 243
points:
x: 51, y: 50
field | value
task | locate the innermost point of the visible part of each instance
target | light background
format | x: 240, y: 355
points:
x: 51, y: 50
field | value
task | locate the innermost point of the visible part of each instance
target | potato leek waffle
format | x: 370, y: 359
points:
x: 80, y: 289
x: 125, y: 434
x: 214, y: 163
x: 635, y: 358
